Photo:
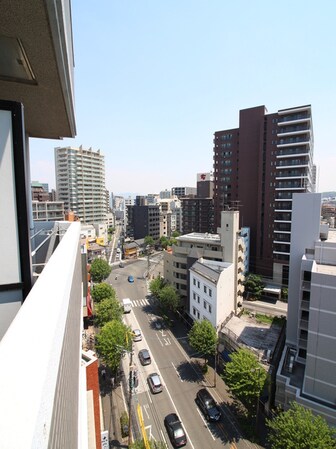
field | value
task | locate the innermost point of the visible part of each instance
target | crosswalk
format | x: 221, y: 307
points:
x: 142, y: 302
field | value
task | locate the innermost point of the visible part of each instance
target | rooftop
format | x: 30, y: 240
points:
x: 205, y: 236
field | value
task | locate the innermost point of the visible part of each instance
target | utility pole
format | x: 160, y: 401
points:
x: 131, y: 386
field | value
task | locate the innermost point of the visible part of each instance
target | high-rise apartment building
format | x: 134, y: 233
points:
x: 198, y: 211
x: 307, y: 370
x: 80, y: 182
x: 143, y: 221
x: 257, y: 168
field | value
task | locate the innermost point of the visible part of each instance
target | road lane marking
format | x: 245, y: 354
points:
x: 146, y: 406
x: 167, y: 341
x: 159, y: 340
x: 178, y: 374
x: 205, y: 424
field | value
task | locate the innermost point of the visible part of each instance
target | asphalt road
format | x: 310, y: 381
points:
x: 180, y: 376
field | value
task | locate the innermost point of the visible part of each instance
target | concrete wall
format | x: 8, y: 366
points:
x: 305, y: 231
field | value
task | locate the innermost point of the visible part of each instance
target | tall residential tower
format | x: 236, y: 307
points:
x: 80, y: 182
x: 257, y: 168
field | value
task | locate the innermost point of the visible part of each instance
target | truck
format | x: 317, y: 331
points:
x: 127, y: 305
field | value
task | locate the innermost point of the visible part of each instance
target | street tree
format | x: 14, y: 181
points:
x: 148, y: 240
x: 253, y: 286
x: 112, y: 341
x: 156, y: 285
x: 298, y: 428
x: 169, y: 298
x: 100, y: 270
x: 164, y: 242
x: 102, y: 291
x: 106, y: 310
x: 203, y: 338
x: 175, y: 234
x: 245, y: 377
x: 153, y: 444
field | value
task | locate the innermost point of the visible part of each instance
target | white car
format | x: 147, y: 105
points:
x: 137, y: 335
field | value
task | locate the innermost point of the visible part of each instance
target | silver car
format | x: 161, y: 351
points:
x: 154, y: 383
x: 137, y: 335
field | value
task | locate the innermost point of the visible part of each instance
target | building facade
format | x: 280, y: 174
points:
x: 80, y: 182
x: 143, y: 221
x: 183, y: 191
x: 212, y: 291
x: 307, y: 370
x: 48, y: 210
x: 226, y: 246
x: 257, y: 168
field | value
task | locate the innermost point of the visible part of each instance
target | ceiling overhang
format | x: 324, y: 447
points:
x: 37, y: 64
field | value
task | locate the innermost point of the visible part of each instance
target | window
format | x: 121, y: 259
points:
x: 204, y: 304
x: 198, y: 315
x: 194, y: 280
x: 198, y: 284
x: 210, y: 292
x: 210, y: 308
x: 205, y: 289
x: 194, y: 295
x: 194, y: 311
x: 198, y: 299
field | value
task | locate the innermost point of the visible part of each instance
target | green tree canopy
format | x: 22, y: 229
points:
x: 175, y: 234
x: 100, y: 270
x: 111, y: 230
x: 111, y: 342
x: 164, y: 242
x: 102, y: 291
x: 106, y: 310
x: 245, y: 377
x: 168, y: 297
x: 203, y: 338
x: 253, y: 286
x: 298, y: 428
x: 156, y: 285
x: 148, y: 240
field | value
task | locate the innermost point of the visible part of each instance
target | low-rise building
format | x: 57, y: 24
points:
x: 48, y: 210
x: 212, y: 291
x: 226, y: 246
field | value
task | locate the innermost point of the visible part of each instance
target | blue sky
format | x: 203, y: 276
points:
x: 154, y: 79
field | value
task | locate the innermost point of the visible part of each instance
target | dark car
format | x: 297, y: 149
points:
x: 130, y: 279
x: 144, y: 357
x: 175, y: 430
x: 208, y: 405
x: 154, y: 383
x: 121, y: 265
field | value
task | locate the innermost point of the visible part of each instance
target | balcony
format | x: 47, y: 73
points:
x: 44, y: 339
x: 304, y: 324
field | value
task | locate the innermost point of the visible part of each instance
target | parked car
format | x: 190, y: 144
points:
x: 144, y: 357
x: 130, y: 279
x: 175, y: 430
x: 154, y: 383
x: 208, y: 405
x: 137, y: 335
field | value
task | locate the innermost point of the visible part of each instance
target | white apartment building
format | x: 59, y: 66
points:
x: 80, y: 182
x: 212, y: 291
x: 307, y: 370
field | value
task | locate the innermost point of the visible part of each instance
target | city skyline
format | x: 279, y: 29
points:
x: 154, y: 82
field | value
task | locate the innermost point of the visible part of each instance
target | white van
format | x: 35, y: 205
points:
x: 127, y: 305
